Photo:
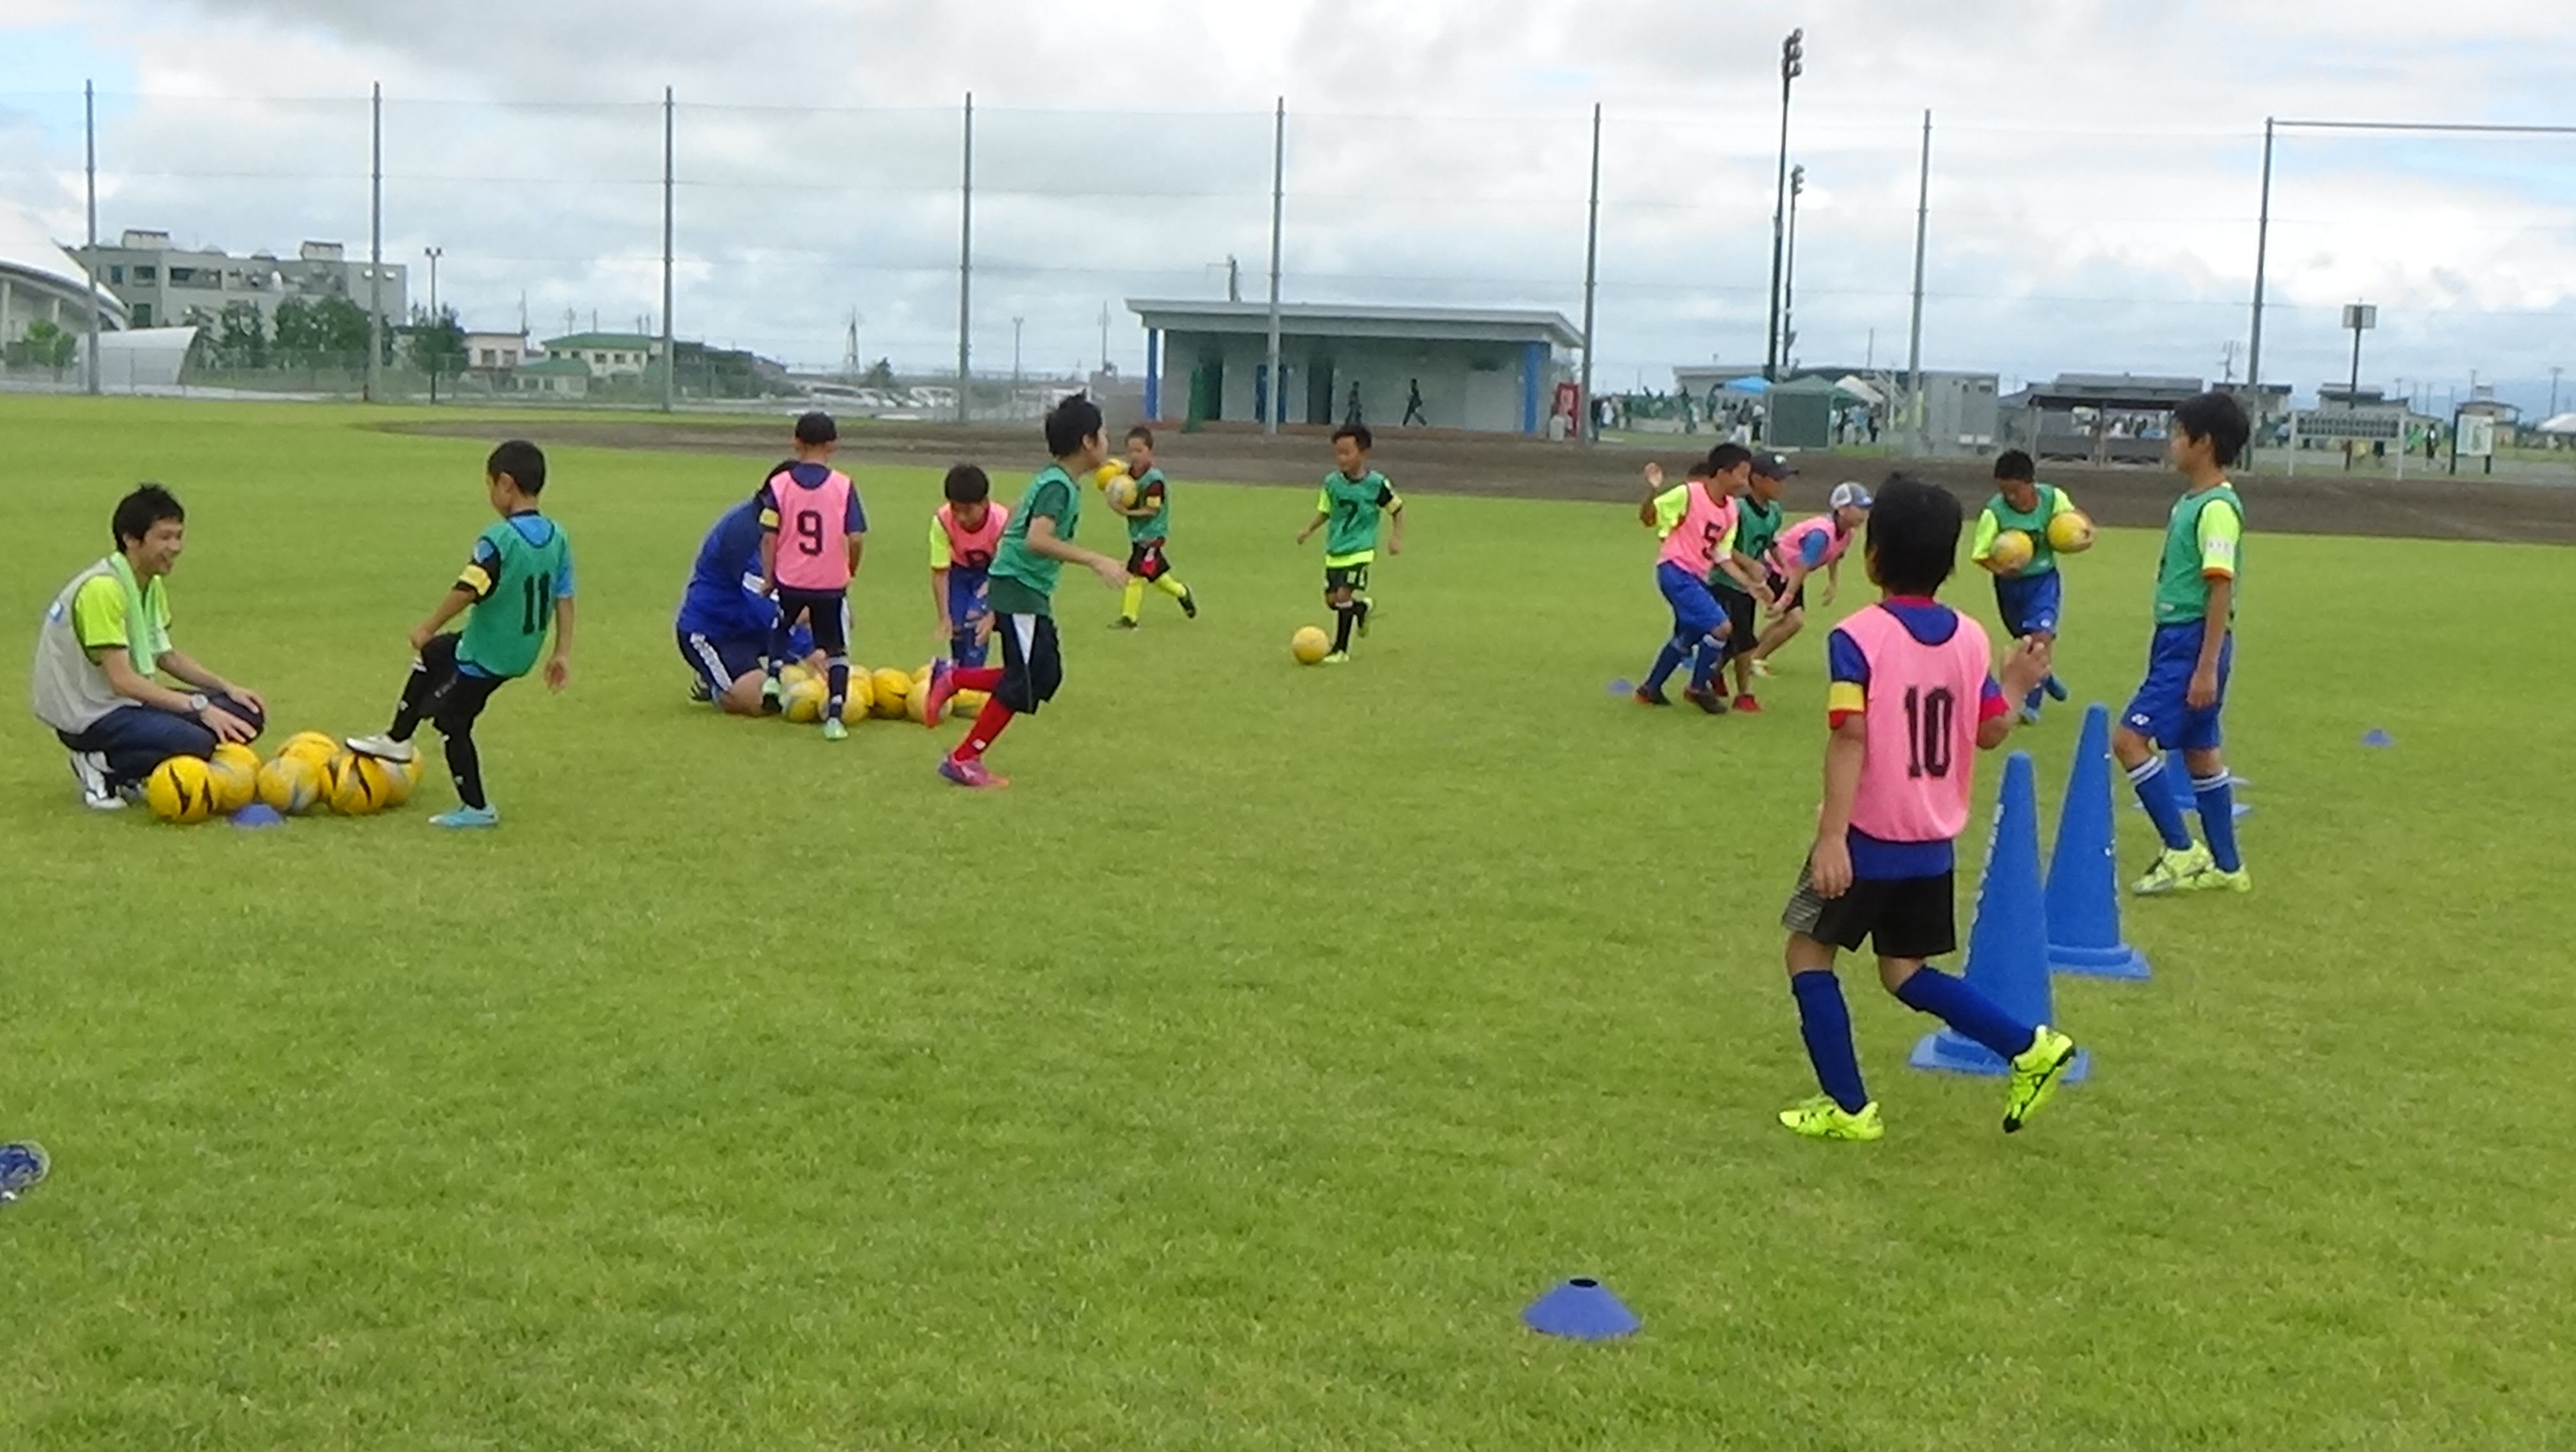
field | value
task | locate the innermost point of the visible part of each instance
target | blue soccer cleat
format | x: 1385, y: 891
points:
x: 467, y: 818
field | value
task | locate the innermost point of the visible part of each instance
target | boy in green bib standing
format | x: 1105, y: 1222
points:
x: 518, y: 583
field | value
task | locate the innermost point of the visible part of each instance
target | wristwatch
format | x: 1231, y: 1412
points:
x: 199, y: 705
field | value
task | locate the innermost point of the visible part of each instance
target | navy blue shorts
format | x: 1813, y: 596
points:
x: 721, y: 660
x: 2160, y: 712
x: 2029, y: 604
x: 1696, y: 613
x: 966, y: 606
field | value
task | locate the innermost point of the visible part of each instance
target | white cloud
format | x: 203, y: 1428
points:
x: 2094, y: 188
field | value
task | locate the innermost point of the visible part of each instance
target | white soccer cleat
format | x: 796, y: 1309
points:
x: 89, y: 768
x: 383, y: 748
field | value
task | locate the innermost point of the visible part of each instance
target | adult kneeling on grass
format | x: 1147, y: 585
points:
x: 106, y: 635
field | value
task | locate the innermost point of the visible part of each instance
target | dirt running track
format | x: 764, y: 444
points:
x: 1433, y: 463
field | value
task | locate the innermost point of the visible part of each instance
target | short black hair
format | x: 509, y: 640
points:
x: 1141, y: 432
x: 524, y: 462
x: 1070, y: 422
x: 1726, y: 457
x: 816, y: 428
x: 2218, y: 417
x: 1358, y: 434
x: 2014, y: 464
x: 1913, y: 535
x: 137, y: 512
x: 966, y: 484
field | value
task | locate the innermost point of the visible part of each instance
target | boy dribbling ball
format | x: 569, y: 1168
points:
x: 1350, y: 502
x: 517, y: 584
x: 1913, y: 701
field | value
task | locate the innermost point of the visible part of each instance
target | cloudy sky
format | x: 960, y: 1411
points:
x: 2094, y: 180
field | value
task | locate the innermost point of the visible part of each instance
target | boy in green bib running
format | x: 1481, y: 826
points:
x: 518, y: 582
x: 1352, y: 496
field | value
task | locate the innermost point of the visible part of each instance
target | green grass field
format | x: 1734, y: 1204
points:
x: 1235, y: 1078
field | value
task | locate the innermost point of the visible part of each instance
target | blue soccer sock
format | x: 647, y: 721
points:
x: 2031, y: 702
x: 2148, y: 779
x: 1667, y: 661
x: 1704, y: 664
x: 2217, y: 798
x: 1953, y: 1002
x: 1824, y: 1021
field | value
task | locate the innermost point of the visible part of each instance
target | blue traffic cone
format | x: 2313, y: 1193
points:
x: 1582, y: 1309
x: 2008, y: 944
x: 2083, y: 896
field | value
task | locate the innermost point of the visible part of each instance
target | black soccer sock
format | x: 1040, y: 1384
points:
x: 1343, y: 618
x: 431, y: 670
x: 465, y: 768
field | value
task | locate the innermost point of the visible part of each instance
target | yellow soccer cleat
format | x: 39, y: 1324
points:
x: 2173, y: 870
x: 2035, y: 1076
x: 1822, y: 1118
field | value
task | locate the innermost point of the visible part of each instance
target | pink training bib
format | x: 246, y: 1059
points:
x: 973, y: 549
x: 1793, y: 543
x: 1694, y: 542
x: 1922, y: 714
x: 813, y: 535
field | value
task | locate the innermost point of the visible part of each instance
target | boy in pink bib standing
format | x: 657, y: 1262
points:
x: 812, y: 531
x: 1913, y: 699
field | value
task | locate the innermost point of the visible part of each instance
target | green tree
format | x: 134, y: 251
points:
x: 241, y: 335
x: 880, y: 374
x: 48, y: 345
x: 436, y: 342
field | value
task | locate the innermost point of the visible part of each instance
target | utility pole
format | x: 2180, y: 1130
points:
x: 670, y: 354
x: 1277, y: 403
x: 1104, y: 337
x: 1015, y: 350
x: 1793, y: 64
x: 1591, y: 416
x: 376, y: 246
x: 438, y: 330
x: 89, y: 266
x: 1914, y: 345
x: 966, y: 261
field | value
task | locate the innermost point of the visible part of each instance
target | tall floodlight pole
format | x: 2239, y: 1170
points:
x: 1789, y: 272
x: 1276, y: 403
x: 1793, y: 64
x: 965, y: 259
x: 1590, y: 416
x: 89, y: 265
x: 376, y: 244
x: 670, y: 138
x: 1914, y: 343
x: 433, y: 254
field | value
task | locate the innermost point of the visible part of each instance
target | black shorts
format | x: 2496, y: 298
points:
x: 1901, y: 917
x: 1032, y: 666
x: 1779, y: 583
x: 1338, y: 578
x: 457, y: 696
x: 1145, y: 560
x: 826, y: 613
x: 1741, y: 635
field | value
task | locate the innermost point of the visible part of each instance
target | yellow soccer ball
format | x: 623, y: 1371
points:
x: 313, y: 746
x: 791, y: 676
x: 967, y: 705
x: 1123, y: 492
x: 236, y: 773
x: 860, y: 701
x: 916, y: 702
x: 400, y: 778
x: 805, y: 700
x: 2070, y: 533
x: 1310, y: 644
x: 290, y: 785
x: 361, y: 786
x: 889, y: 692
x: 181, y: 790
x: 2012, y: 550
x: 1107, y: 475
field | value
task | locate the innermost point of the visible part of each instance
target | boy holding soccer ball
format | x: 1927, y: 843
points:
x: 2018, y: 541
x: 1914, y: 699
x: 1149, y: 528
x: 517, y: 584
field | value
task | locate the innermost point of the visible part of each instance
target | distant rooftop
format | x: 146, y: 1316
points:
x: 1307, y: 320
